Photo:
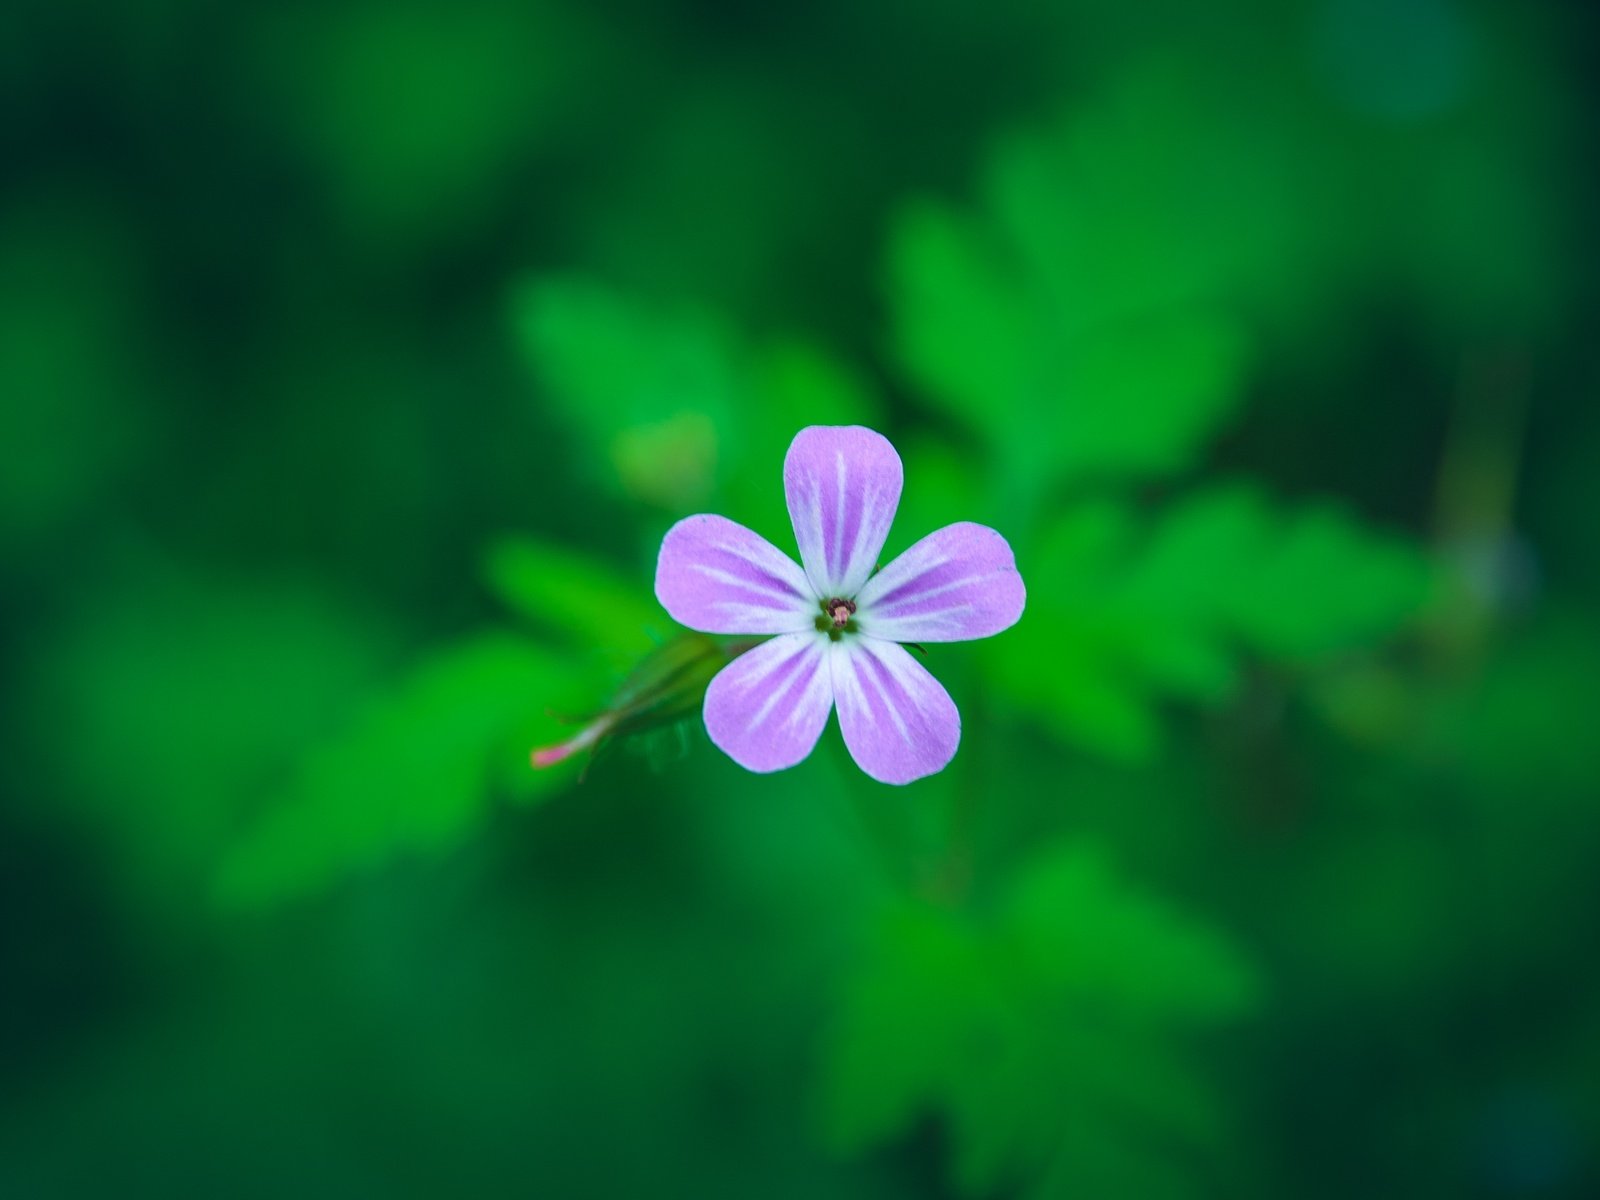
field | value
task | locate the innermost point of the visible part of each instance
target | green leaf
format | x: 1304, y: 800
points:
x: 1063, y: 1010
x: 1077, y: 317
x: 1129, y: 617
x: 670, y: 404
x: 172, y: 699
x: 1121, y: 397
x: 901, y: 1018
x: 1074, y: 920
x: 653, y: 392
x: 1153, y: 196
x: 1324, y: 584
x: 1159, y: 386
x: 964, y: 323
x: 569, y: 593
x: 415, y: 772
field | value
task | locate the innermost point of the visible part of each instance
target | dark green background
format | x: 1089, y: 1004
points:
x: 355, y: 355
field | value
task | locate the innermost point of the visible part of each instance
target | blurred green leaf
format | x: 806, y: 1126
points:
x: 172, y: 706
x: 1077, y: 317
x: 653, y: 393
x: 1127, y: 617
x: 415, y: 772
x: 671, y: 404
x: 1523, y: 729
x: 1077, y: 921
x: 573, y: 594
x: 1041, y: 1032
x: 964, y: 326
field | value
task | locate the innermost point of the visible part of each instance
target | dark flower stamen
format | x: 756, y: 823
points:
x: 839, y: 610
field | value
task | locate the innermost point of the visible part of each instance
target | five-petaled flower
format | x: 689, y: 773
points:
x: 839, y: 624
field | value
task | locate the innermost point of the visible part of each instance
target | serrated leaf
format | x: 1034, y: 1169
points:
x: 1153, y: 196
x: 415, y: 772
x: 670, y: 403
x: 1128, y: 397
x: 569, y: 593
x: 1064, y: 926
x: 1077, y: 317
x: 964, y: 327
x: 179, y: 696
x: 1128, y: 618
x: 1066, y: 1005
x: 903, y: 1014
x: 1326, y: 584
x: 652, y: 391
x: 1138, y: 397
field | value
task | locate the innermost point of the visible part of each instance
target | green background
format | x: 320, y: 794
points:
x: 354, y: 357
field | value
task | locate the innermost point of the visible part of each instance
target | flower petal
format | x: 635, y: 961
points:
x: 956, y: 584
x: 766, y: 709
x: 843, y: 486
x: 898, y: 721
x: 716, y: 576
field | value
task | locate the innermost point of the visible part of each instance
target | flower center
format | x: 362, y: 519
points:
x: 838, y: 611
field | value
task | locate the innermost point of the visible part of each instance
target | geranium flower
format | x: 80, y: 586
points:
x: 839, y: 622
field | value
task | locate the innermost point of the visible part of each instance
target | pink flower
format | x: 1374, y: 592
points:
x: 838, y: 624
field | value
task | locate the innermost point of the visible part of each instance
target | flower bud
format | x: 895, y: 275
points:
x: 668, y: 684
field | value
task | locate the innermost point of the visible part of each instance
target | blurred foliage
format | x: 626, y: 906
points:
x: 411, y: 113
x: 413, y: 773
x: 670, y: 405
x: 570, y: 595
x: 1043, y: 1033
x: 1081, y: 323
x: 1130, y: 616
x: 416, y: 771
x: 213, y: 679
x: 1088, y: 328
x: 71, y: 339
x: 354, y: 358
